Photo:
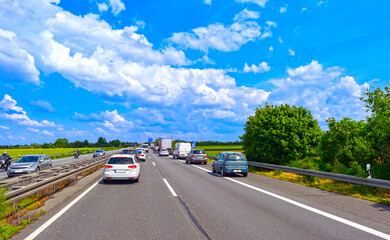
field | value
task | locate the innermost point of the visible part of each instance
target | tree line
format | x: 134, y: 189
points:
x: 289, y: 135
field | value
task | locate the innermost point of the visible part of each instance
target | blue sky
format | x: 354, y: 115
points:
x: 192, y: 70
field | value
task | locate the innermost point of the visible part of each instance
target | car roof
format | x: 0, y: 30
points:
x: 33, y: 155
x: 232, y: 152
x: 122, y: 155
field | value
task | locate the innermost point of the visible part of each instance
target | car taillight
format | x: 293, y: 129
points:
x: 206, y: 156
x: 136, y: 156
x: 225, y: 165
x: 132, y: 166
x: 108, y: 166
x: 192, y: 156
x: 178, y: 152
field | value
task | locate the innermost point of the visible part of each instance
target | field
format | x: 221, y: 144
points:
x: 221, y: 148
x: 53, y: 153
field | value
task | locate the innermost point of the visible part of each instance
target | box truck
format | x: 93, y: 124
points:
x: 164, y: 143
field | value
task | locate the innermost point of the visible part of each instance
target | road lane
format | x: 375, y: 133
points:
x: 218, y: 203
x: 122, y: 210
x: 208, y: 206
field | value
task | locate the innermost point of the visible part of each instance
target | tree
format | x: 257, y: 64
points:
x: 115, y: 143
x: 279, y: 134
x: 62, y: 142
x: 378, y: 124
x: 45, y: 145
x: 346, y: 142
x: 102, y: 142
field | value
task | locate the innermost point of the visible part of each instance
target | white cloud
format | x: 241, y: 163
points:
x: 117, y: 6
x: 262, y: 67
x: 103, y: 7
x: 271, y: 49
x: 47, y: 133
x: 325, y: 92
x: 15, y: 62
x: 320, y: 3
x: 220, y: 37
x: 4, y: 127
x: 207, y: 2
x: 9, y: 111
x: 280, y: 40
x: 304, y: 9
x: 247, y: 14
x: 43, y: 106
x: 283, y: 9
x: 261, y: 3
x: 33, y: 129
x: 291, y: 52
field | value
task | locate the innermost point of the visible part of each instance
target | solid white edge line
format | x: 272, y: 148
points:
x: 170, y: 188
x: 55, y: 217
x: 325, y: 214
x: 153, y: 164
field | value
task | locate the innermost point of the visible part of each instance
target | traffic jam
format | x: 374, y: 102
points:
x: 126, y: 165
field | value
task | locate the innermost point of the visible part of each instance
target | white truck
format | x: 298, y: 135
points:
x: 181, y: 150
x: 164, y: 143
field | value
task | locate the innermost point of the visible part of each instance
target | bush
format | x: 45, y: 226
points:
x: 279, y: 134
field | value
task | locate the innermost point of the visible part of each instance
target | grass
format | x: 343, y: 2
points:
x: 53, y: 153
x: 221, y: 148
x: 373, y: 194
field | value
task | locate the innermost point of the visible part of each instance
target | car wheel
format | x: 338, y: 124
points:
x: 205, y: 163
x: 137, y: 180
x: 245, y: 174
x: 37, y: 170
x: 50, y: 167
x: 223, y: 172
x: 213, y: 169
x: 105, y: 181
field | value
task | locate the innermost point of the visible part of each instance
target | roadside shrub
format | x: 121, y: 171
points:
x: 280, y: 134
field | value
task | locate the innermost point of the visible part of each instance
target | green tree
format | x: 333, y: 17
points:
x: 115, y: 143
x: 346, y: 142
x: 378, y: 124
x: 101, y: 142
x: 45, y: 145
x: 279, y: 134
x: 62, y: 142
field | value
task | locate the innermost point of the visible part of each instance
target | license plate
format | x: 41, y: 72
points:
x: 120, y: 171
x: 18, y: 171
x: 237, y: 170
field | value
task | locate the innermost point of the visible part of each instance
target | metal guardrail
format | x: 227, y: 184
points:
x: 35, y: 187
x: 372, y: 182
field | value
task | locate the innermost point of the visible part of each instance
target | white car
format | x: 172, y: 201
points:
x: 163, y: 152
x: 141, y: 154
x: 122, y: 167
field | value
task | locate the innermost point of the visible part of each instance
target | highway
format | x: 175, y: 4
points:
x: 174, y: 200
x: 59, y: 162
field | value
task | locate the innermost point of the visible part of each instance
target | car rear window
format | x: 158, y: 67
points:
x: 117, y: 160
x: 199, y: 152
x: 129, y: 152
x: 140, y: 151
x: 235, y: 157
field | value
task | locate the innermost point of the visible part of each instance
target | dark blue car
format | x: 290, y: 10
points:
x: 230, y: 162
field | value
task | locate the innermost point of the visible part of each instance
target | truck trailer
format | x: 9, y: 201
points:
x: 164, y: 143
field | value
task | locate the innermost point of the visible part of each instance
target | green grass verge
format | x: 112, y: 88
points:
x: 221, y: 148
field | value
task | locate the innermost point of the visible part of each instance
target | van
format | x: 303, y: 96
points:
x: 181, y: 150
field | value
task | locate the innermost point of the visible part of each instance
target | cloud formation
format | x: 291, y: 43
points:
x: 261, y: 3
x: 262, y: 67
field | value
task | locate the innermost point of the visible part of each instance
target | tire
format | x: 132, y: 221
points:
x: 205, y: 163
x: 174, y: 156
x: 223, y: 172
x: 50, y: 167
x: 213, y: 169
x: 37, y: 170
x: 105, y: 181
x: 245, y: 174
x: 137, y: 180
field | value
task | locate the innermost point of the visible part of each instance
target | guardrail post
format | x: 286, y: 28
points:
x: 368, y: 167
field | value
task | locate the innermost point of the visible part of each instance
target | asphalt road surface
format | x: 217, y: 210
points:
x: 58, y: 162
x: 174, y: 200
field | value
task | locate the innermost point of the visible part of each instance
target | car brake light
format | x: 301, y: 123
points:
x: 132, y: 166
x: 108, y: 166
x: 192, y: 156
x: 225, y: 165
x: 206, y: 156
x: 136, y: 156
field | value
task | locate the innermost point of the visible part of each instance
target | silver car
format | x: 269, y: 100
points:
x: 29, y: 164
x: 99, y: 152
x: 163, y: 152
x: 122, y: 167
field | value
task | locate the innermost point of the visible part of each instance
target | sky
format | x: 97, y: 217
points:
x: 192, y: 70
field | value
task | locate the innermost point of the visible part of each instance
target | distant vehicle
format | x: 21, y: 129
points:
x: 122, y: 167
x: 151, y: 145
x: 29, y: 164
x: 164, y: 143
x: 170, y: 151
x: 141, y: 154
x: 181, y: 150
x: 145, y: 147
x: 99, y: 152
x: 230, y: 162
x: 155, y: 149
x: 163, y: 152
x: 197, y: 156
x: 129, y: 151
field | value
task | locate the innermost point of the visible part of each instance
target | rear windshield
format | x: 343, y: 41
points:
x: 199, y: 152
x: 235, y: 157
x: 28, y: 159
x: 164, y: 149
x: 133, y: 152
x: 145, y: 146
x: 100, y: 150
x: 117, y: 160
x: 140, y: 151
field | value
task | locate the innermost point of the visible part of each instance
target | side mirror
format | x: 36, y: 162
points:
x: 41, y: 160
